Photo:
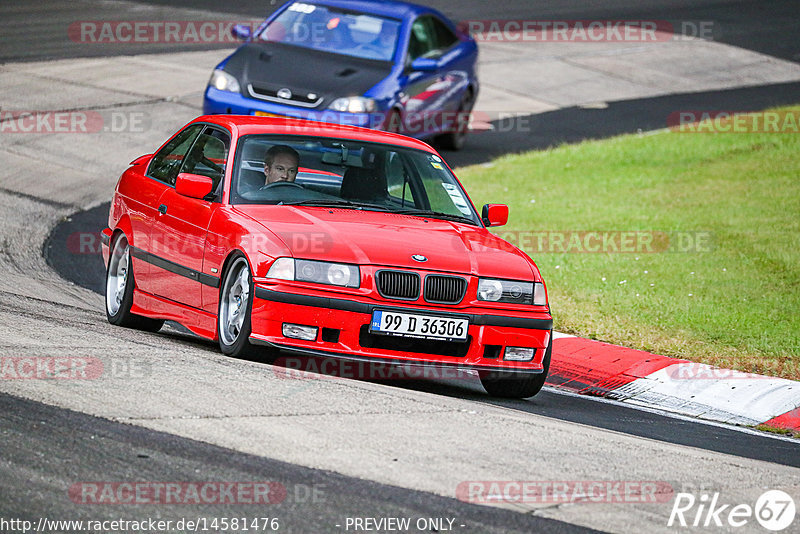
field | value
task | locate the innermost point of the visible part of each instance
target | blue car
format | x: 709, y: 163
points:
x: 387, y: 65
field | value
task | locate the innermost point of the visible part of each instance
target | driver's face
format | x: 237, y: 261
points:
x: 283, y: 169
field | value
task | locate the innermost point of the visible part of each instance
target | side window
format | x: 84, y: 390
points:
x: 421, y: 43
x: 430, y: 38
x: 208, y: 155
x: 445, y: 38
x: 168, y: 161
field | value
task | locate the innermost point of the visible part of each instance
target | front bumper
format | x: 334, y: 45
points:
x: 343, y: 332
x: 218, y: 102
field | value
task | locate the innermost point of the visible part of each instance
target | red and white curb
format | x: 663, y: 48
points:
x: 640, y: 378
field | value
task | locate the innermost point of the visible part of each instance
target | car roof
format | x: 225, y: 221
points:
x: 384, y: 8
x: 251, y: 124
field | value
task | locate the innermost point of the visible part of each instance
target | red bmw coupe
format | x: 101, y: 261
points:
x: 323, y: 240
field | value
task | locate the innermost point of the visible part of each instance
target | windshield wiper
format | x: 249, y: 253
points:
x: 334, y: 203
x: 437, y: 215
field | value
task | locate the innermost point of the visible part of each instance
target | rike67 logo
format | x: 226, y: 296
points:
x: 774, y: 510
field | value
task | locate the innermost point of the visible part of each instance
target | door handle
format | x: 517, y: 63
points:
x: 162, y: 209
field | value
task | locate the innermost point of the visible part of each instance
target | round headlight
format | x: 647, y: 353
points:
x: 515, y: 291
x: 339, y: 275
x: 490, y: 290
x: 309, y: 271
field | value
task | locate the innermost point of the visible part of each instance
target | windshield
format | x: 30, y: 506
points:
x: 315, y: 171
x: 334, y: 30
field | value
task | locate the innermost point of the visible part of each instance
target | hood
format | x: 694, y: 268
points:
x: 314, y: 77
x: 390, y: 240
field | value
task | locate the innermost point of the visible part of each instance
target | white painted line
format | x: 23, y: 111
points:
x: 559, y: 335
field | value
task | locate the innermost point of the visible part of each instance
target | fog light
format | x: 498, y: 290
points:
x: 298, y: 331
x: 519, y: 354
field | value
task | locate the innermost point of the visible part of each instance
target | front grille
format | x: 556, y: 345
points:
x: 398, y: 284
x: 444, y: 289
x: 299, y: 98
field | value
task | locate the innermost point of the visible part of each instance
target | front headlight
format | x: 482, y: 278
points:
x: 511, y: 291
x: 319, y: 272
x: 353, y: 104
x: 224, y: 82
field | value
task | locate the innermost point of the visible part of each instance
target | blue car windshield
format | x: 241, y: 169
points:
x: 334, y: 30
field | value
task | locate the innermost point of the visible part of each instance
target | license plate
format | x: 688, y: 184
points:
x: 420, y: 326
x: 265, y: 114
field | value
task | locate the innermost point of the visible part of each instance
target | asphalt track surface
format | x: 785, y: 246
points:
x: 86, y: 270
x: 45, y: 449
x: 69, y: 446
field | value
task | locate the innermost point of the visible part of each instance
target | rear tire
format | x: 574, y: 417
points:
x: 235, y: 307
x: 119, y: 290
x: 510, y: 385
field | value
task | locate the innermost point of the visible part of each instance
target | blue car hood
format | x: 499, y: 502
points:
x: 269, y: 67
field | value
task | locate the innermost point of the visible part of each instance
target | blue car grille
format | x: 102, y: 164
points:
x: 299, y: 98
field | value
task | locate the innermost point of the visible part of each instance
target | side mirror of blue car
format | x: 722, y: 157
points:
x: 241, y: 31
x: 424, y: 64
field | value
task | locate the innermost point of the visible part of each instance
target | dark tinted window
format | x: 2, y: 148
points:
x: 430, y: 38
x: 208, y: 155
x: 168, y: 161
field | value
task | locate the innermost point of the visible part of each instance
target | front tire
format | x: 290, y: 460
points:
x: 235, y: 307
x: 455, y: 139
x: 119, y: 290
x: 513, y: 386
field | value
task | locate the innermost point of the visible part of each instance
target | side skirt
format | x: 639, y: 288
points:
x: 200, y: 322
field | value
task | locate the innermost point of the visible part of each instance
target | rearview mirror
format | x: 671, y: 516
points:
x: 193, y: 185
x: 495, y: 214
x: 241, y: 31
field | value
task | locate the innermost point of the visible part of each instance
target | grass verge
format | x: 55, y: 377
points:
x: 720, y: 283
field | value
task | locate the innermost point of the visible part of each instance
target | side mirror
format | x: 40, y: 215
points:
x: 495, y: 214
x: 193, y: 185
x: 424, y: 64
x: 241, y: 31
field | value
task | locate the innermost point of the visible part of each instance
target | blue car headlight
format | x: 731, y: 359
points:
x: 354, y: 104
x: 223, y: 81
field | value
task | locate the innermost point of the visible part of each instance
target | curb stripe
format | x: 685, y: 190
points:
x: 638, y: 377
x: 789, y: 420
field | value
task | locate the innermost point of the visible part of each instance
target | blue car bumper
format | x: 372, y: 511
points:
x: 218, y: 102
